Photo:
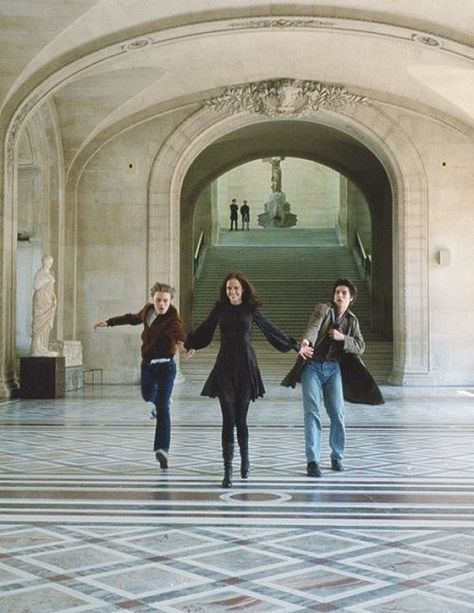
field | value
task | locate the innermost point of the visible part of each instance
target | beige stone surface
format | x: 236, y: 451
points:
x: 108, y: 146
x: 70, y: 350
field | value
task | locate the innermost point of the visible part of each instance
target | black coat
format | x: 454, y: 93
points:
x: 236, y: 375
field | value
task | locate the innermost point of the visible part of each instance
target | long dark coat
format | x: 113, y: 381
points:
x: 357, y: 382
x: 236, y: 375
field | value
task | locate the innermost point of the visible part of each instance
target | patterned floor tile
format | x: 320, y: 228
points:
x: 458, y: 544
x: 89, y: 521
x: 20, y: 540
x: 227, y: 599
x: 47, y: 599
x: 413, y: 601
x: 145, y: 580
x: 322, y: 584
x: 404, y: 564
x: 239, y: 561
x: 165, y: 542
x: 11, y: 576
x: 77, y: 558
x: 321, y: 545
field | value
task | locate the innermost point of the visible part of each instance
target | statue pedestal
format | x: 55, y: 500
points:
x: 277, y: 212
x: 42, y: 377
x: 72, y: 352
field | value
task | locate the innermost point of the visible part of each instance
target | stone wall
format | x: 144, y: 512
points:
x: 113, y: 240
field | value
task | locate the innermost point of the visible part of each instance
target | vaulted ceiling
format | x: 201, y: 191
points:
x: 108, y: 64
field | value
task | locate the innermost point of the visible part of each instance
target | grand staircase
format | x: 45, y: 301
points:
x: 291, y: 270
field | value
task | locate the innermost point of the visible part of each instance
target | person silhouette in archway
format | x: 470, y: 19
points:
x: 245, y: 214
x: 234, y: 214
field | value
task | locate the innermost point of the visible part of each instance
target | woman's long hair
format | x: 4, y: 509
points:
x: 249, y: 296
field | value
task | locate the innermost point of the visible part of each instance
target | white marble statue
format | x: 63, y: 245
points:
x: 276, y: 172
x: 44, y: 308
x: 277, y: 208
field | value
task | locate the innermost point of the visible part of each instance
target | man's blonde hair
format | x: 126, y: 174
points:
x: 162, y: 287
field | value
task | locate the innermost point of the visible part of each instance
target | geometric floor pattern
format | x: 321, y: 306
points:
x: 89, y: 522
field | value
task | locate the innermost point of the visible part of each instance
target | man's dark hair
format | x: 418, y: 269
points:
x: 348, y: 283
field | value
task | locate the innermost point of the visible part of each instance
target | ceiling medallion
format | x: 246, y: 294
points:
x: 283, y: 98
x: 426, y: 40
x: 138, y: 43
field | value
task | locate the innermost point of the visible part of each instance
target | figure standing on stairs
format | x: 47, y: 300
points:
x: 245, y: 213
x: 329, y: 367
x: 234, y: 214
x: 235, y: 378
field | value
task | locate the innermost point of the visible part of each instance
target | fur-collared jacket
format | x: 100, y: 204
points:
x: 160, y: 337
x: 358, y: 384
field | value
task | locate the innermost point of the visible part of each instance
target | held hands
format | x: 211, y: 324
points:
x: 306, y: 351
x: 188, y: 353
x: 336, y: 335
x: 101, y: 324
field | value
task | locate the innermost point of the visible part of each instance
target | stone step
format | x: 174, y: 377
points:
x: 289, y: 279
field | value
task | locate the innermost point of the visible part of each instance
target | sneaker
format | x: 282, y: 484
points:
x: 312, y: 470
x: 336, y: 464
x: 162, y: 458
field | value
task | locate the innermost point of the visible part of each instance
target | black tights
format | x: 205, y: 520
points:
x: 234, y: 414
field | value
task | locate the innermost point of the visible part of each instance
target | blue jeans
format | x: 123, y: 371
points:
x: 157, y: 385
x: 323, y: 379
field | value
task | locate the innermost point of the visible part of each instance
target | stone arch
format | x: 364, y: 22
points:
x: 400, y: 159
x: 42, y: 126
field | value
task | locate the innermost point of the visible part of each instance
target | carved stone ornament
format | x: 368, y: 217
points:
x: 283, y: 98
x: 15, y: 126
x: 284, y: 22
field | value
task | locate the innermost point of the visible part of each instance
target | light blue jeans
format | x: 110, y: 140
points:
x: 323, y: 380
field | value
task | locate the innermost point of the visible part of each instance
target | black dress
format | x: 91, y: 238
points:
x: 236, y: 374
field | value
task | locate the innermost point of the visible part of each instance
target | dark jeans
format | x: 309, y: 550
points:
x: 157, y: 385
x: 234, y: 414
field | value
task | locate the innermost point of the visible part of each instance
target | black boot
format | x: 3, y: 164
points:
x: 227, y: 480
x: 228, y: 454
x: 244, y: 463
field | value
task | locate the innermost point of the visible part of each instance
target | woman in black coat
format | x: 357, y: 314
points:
x: 235, y: 379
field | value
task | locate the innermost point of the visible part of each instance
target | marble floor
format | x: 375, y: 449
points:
x: 89, y: 522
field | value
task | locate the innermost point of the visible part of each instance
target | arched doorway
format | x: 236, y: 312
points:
x: 196, y: 154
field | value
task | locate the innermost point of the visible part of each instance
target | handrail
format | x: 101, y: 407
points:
x: 198, y: 246
x: 198, y: 252
x: 366, y: 258
x: 360, y: 245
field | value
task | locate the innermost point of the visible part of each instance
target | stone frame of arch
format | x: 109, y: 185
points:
x: 43, y: 124
x: 400, y: 159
